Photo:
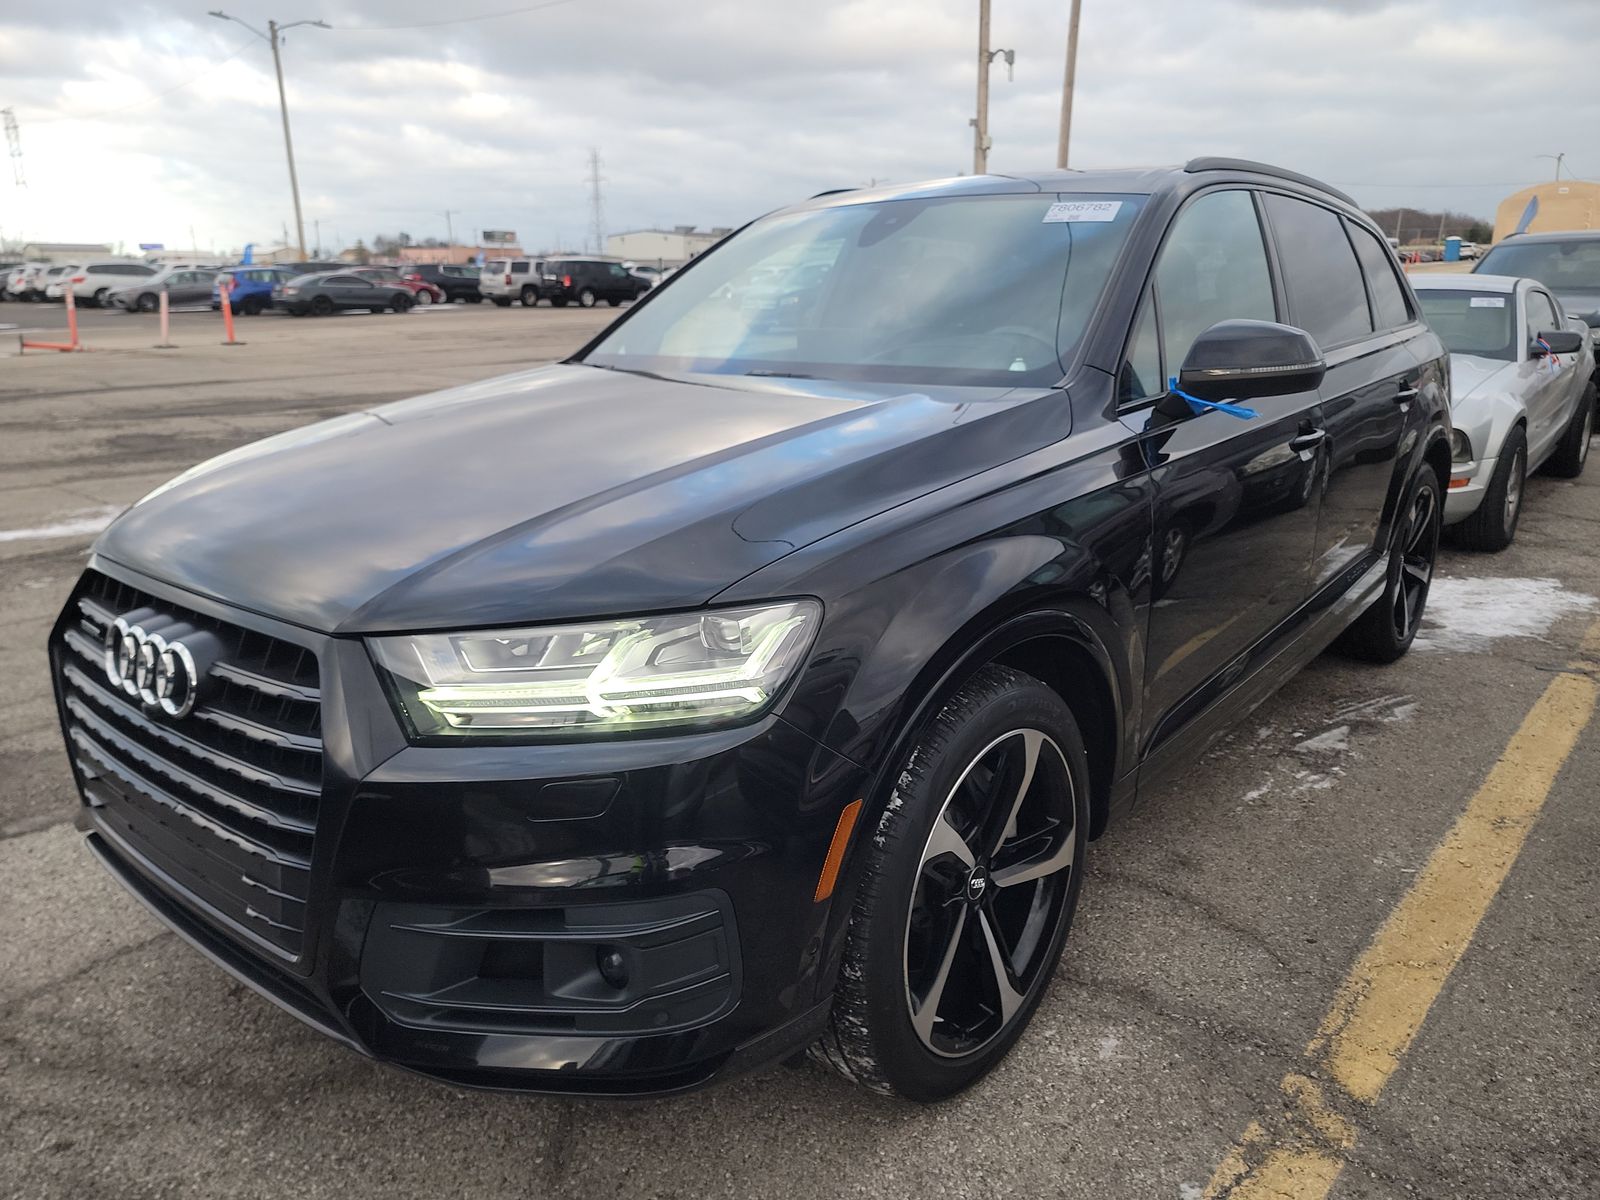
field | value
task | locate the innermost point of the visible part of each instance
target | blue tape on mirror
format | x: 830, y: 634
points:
x: 1199, y: 406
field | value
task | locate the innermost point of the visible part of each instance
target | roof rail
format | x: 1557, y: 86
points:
x: 1213, y: 163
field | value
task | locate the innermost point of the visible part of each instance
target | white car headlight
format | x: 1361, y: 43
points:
x: 597, y: 678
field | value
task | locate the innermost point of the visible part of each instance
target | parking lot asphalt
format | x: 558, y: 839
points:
x: 1219, y: 922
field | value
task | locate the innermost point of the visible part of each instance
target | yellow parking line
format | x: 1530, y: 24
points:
x: 1297, y: 1151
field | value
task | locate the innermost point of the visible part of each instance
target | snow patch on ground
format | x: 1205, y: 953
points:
x: 1332, y: 741
x: 72, y: 525
x: 1471, y: 614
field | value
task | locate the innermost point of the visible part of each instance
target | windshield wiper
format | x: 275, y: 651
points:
x: 781, y: 374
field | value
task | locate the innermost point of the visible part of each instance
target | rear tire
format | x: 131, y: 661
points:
x: 146, y: 303
x: 586, y: 299
x: 1573, y: 451
x: 99, y: 297
x: 1386, y: 630
x: 401, y: 303
x: 529, y: 297
x: 974, y: 866
x: 1494, y: 525
x: 423, y: 297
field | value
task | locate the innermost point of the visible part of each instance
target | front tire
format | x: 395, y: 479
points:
x: 971, y: 881
x: 1386, y: 630
x: 99, y: 297
x: 1573, y: 451
x: 1493, y: 525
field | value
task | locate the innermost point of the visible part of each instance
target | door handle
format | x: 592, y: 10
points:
x: 1408, y: 391
x: 1309, y: 440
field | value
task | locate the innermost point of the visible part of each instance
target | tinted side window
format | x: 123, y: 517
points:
x: 519, y: 268
x: 1389, y: 306
x: 1141, y: 377
x: 1320, y: 272
x: 1213, y: 268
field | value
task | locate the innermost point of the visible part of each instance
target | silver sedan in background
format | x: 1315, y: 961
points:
x: 1520, y: 395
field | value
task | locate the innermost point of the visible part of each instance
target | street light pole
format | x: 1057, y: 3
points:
x: 980, y: 123
x: 1068, y: 83
x: 450, y: 229
x: 273, y: 38
x: 1560, y: 158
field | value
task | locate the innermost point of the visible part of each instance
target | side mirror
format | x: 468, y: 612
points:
x: 1560, y: 341
x: 1592, y: 320
x: 1243, y: 360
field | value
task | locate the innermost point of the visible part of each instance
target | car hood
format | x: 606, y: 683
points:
x: 1579, y: 304
x: 1469, y: 372
x: 568, y: 491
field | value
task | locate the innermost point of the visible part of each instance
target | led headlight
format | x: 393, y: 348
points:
x: 685, y: 670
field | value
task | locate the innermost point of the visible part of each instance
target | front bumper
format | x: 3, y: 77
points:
x: 1462, y: 500
x: 608, y: 919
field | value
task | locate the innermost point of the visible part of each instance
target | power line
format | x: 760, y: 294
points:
x: 509, y: 12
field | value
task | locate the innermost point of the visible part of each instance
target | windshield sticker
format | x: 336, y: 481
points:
x: 1488, y: 302
x: 1083, y: 210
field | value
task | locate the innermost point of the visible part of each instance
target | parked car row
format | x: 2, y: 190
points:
x: 562, y: 281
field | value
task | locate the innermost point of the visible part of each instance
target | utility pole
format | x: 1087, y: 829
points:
x: 316, y: 224
x: 1068, y: 83
x: 274, y: 37
x: 449, y: 226
x: 597, y: 206
x: 1560, y: 158
x: 1398, y: 217
x: 980, y: 123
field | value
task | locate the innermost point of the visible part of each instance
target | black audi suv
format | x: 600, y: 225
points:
x: 754, y: 680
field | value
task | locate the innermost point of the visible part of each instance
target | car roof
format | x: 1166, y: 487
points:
x: 1467, y: 283
x: 1558, y: 235
x: 1196, y: 173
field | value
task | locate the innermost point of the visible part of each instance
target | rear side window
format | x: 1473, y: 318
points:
x: 496, y: 266
x: 1389, y: 307
x: 519, y: 268
x: 1320, y: 272
x: 1213, y: 268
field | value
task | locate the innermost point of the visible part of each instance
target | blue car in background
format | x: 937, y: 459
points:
x: 252, y: 287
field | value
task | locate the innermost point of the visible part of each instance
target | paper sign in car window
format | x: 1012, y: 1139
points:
x: 1488, y: 302
x: 1083, y: 210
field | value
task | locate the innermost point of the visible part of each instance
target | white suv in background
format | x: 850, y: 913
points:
x: 92, y: 282
x: 15, y: 281
x: 506, y: 279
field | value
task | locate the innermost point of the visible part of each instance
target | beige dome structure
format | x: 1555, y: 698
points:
x: 1564, y: 204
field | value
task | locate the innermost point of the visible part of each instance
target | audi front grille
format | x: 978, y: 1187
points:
x: 218, y: 802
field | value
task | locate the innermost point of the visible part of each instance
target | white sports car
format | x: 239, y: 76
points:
x: 1520, y: 395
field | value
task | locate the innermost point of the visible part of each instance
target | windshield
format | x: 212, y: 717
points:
x: 1472, y: 322
x: 1561, y: 266
x: 992, y: 290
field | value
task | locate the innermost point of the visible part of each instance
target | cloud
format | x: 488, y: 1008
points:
x: 716, y: 112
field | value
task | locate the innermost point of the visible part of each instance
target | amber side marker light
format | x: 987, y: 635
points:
x: 836, y: 849
x: 1460, y: 483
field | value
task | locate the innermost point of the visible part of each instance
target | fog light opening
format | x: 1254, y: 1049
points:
x: 613, y: 967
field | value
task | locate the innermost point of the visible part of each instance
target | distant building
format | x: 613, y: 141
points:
x: 1558, y: 206
x: 63, y: 252
x: 455, y: 254
x: 663, y: 247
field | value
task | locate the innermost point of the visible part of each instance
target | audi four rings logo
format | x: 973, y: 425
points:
x: 156, y: 669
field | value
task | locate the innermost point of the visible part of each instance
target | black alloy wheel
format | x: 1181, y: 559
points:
x: 321, y: 306
x: 972, y: 877
x: 1385, y: 631
x: 147, y: 302
x: 1419, y: 547
x: 401, y: 302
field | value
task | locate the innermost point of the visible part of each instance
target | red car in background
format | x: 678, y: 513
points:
x: 421, y: 290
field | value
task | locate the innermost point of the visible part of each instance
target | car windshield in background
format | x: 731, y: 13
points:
x: 1561, y: 266
x: 1472, y: 322
x: 991, y: 290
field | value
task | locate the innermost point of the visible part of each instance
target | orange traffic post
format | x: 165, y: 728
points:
x: 227, y: 315
x: 166, y: 335
x: 72, y: 327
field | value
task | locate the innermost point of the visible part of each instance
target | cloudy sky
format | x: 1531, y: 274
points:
x: 141, y: 120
